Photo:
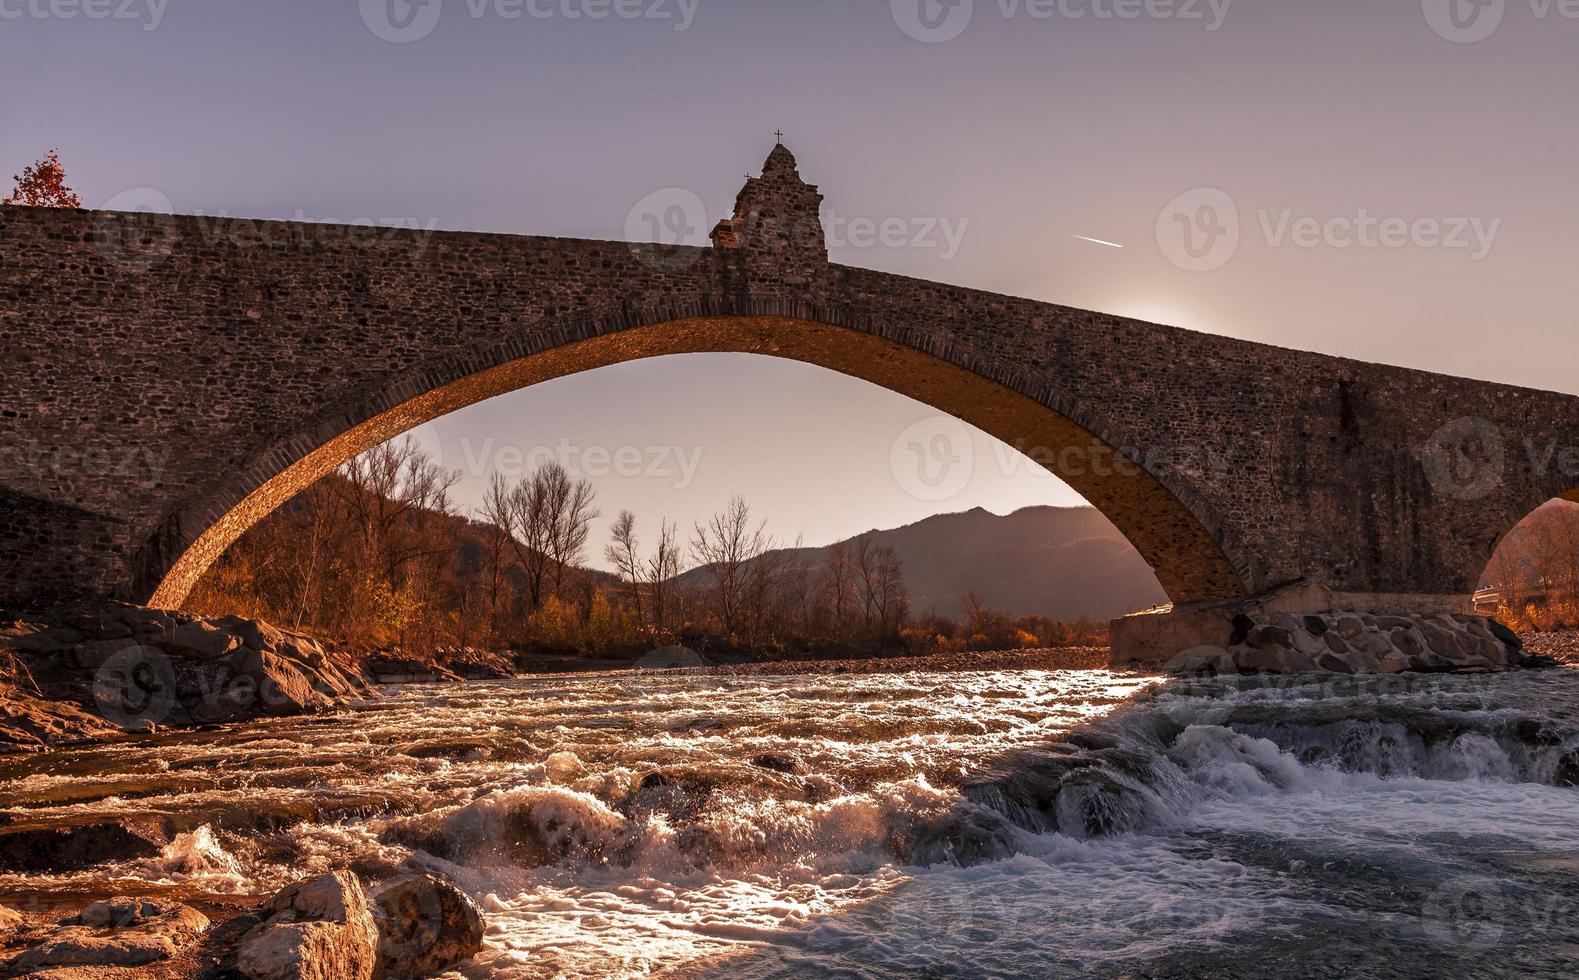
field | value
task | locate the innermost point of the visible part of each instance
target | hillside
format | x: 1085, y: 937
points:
x: 1062, y: 562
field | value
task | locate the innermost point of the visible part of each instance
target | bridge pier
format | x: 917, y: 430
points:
x: 51, y: 551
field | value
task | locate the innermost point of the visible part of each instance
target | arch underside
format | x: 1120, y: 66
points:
x: 1478, y: 561
x: 1180, y: 544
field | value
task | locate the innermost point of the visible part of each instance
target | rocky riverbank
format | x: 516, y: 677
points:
x: 322, y: 928
x: 96, y: 671
x: 1354, y: 643
x: 1562, y: 646
x: 448, y: 666
x: 1305, y: 629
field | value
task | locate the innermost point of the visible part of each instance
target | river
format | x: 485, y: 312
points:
x: 995, y: 823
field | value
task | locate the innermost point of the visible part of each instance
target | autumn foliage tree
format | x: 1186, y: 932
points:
x: 43, y: 185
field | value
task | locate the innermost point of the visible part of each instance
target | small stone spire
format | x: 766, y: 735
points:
x: 777, y: 213
x: 781, y: 160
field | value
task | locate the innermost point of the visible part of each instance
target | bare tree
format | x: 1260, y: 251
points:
x: 978, y: 617
x: 385, y: 487
x: 321, y: 518
x: 661, y: 571
x: 548, y: 517
x: 727, y: 545
x: 880, y: 579
x: 764, y: 589
x: 530, y: 530
x: 837, y: 576
x: 621, y: 553
x: 567, y: 508
x: 495, y: 515
x: 796, y: 595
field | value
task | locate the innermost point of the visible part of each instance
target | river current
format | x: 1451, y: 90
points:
x: 973, y: 824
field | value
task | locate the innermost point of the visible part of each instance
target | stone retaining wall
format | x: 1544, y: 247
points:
x: 1350, y: 643
x: 1298, y: 631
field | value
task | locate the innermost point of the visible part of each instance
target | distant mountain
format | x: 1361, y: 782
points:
x: 1063, y: 562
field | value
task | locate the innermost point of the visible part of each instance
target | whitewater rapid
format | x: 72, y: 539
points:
x: 993, y: 823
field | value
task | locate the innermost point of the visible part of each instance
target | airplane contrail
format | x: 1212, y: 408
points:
x: 1097, y: 241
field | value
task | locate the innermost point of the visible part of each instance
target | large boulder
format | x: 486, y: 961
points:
x: 319, y: 929
x: 30, y: 722
x: 198, y: 640
x: 93, y: 654
x: 142, y: 669
x: 425, y: 925
x: 252, y: 633
x: 119, y: 932
x: 280, y: 686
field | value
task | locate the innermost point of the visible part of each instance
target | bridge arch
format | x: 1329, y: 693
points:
x: 1169, y: 525
x: 1505, y: 557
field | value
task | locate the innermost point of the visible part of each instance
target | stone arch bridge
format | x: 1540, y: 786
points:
x: 166, y: 381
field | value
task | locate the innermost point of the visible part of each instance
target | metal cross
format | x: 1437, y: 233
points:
x: 780, y: 134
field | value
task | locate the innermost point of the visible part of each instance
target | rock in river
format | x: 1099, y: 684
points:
x: 119, y: 932
x: 425, y: 925
x: 319, y: 929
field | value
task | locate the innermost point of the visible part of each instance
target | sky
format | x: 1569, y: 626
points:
x: 1394, y: 182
